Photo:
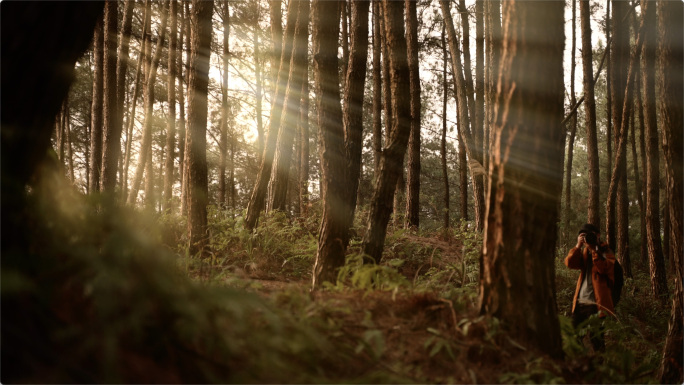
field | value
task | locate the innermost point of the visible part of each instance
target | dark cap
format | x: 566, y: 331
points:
x: 588, y: 227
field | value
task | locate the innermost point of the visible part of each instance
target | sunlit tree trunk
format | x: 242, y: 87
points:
x: 112, y: 124
x: 518, y: 281
x: 258, y: 77
x: 494, y: 43
x: 655, y: 251
x: 464, y: 115
x: 184, y: 81
x: 398, y: 136
x: 260, y: 189
x: 304, y: 148
x: 413, y: 177
x: 291, y: 111
x: 593, y: 214
x: 130, y: 123
x: 671, y: 94
x: 198, y: 196
x: 325, y: 33
x: 151, y: 76
x: 96, y: 111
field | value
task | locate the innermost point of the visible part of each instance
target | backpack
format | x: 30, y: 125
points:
x: 616, y: 288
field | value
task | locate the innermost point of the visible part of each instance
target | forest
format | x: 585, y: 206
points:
x: 342, y: 191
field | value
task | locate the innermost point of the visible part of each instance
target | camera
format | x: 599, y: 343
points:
x: 590, y: 238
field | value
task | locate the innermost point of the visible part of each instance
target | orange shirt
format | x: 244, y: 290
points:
x: 602, y: 275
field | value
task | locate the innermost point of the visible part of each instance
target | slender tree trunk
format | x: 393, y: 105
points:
x: 573, y: 125
x: 638, y: 105
x: 256, y: 200
x: 276, y: 15
x: 151, y: 77
x: 464, y: 118
x: 304, y: 141
x: 344, y: 43
x: 517, y: 284
x: 67, y: 132
x: 462, y: 170
x: 593, y: 214
x: 184, y: 179
x: 258, y: 88
x: 223, y: 138
x: 325, y: 33
x: 184, y: 27
x: 655, y: 251
x: 413, y: 176
x: 609, y: 100
x: 671, y: 94
x: 96, y: 114
x: 171, y: 123
x: 443, y: 147
x: 479, y: 85
x: 377, y: 90
x: 398, y: 136
x: 642, y: 191
x: 291, y: 111
x: 61, y: 128
x: 111, y: 123
x: 198, y: 195
x: 494, y: 47
x: 131, y: 116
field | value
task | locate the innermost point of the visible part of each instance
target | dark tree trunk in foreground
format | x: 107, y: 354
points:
x: 256, y: 200
x: 655, y: 250
x: 671, y: 94
x: 223, y: 136
x: 38, y: 81
x: 517, y: 283
x: 593, y: 214
x: 572, y: 130
x: 397, y: 138
x: 112, y: 124
x: 171, y: 124
x: 96, y: 111
x: 494, y: 43
x: 325, y: 32
x: 198, y: 85
x: 413, y: 176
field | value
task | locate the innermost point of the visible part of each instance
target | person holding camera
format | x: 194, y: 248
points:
x: 595, y: 261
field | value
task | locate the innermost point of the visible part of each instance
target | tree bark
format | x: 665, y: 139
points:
x: 198, y: 195
x: 671, y: 94
x: 655, y: 251
x: 130, y: 123
x: 223, y: 137
x: 184, y: 81
x: 304, y: 149
x: 96, y: 111
x: 573, y: 126
x: 171, y: 124
x: 517, y: 284
x: 494, y: 47
x: 377, y: 90
x: 398, y: 136
x: 479, y: 85
x: 325, y: 34
x: 256, y: 200
x: 443, y: 147
x: 413, y: 176
x: 593, y: 213
x: 151, y: 65
x: 474, y: 154
x: 112, y: 122
x: 258, y: 77
x: 282, y: 161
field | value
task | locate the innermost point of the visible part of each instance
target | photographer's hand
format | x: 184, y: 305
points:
x: 580, y: 240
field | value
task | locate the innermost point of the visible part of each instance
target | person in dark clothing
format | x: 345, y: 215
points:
x: 595, y: 261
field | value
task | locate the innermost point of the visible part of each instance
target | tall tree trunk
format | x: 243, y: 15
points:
x: 593, y: 213
x: 130, y: 123
x: 642, y: 150
x: 256, y: 200
x: 325, y: 33
x: 198, y: 195
x: 112, y: 126
x: 184, y: 179
x: 171, y: 124
x: 344, y: 43
x: 619, y: 57
x: 443, y: 147
x: 223, y: 137
x: 276, y: 15
x: 609, y: 101
x: 494, y: 47
x: 655, y: 251
x: 151, y: 76
x: 96, y: 114
x: 304, y: 141
x: 479, y: 85
x: 182, y: 83
x: 474, y: 154
x: 123, y: 97
x: 398, y: 136
x: 67, y: 132
x: 258, y: 77
x: 352, y: 115
x: 462, y: 170
x: 527, y: 175
x: 280, y: 175
x: 413, y: 176
x: 671, y: 94
x: 377, y: 90
x: 573, y: 125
